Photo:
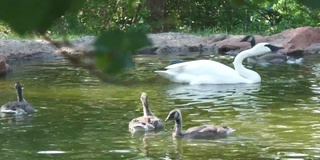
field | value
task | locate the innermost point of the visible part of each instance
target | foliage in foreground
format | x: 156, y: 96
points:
x: 229, y: 16
x: 121, y: 25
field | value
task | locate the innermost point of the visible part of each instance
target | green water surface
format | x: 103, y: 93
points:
x: 86, y: 118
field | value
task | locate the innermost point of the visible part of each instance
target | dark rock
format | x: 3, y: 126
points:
x: 172, y: 50
x: 228, y: 47
x: 313, y: 48
x: 194, y: 48
x: 4, y: 67
x: 148, y: 51
x: 296, y: 54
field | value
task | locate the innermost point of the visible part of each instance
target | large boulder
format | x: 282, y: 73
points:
x: 294, y: 41
x: 233, y: 43
x: 181, y: 43
x: 21, y: 49
x: 299, y: 39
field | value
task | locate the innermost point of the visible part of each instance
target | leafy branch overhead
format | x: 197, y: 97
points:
x: 113, y: 49
x: 25, y: 16
x: 110, y: 55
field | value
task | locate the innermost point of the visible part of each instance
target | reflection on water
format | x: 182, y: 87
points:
x: 315, y: 87
x: 80, y: 117
x: 16, y: 119
x: 216, y: 94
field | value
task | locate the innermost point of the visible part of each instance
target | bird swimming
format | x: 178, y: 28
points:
x: 197, y: 132
x: 147, y: 122
x: 19, y: 107
x: 212, y: 72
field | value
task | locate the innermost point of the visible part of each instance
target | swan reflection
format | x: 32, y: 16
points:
x: 217, y: 94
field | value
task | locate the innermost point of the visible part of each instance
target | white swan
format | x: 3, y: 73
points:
x: 211, y: 72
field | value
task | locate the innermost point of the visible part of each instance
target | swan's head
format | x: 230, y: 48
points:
x: 262, y: 48
x: 173, y: 115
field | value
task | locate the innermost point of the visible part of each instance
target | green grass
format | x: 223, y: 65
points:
x: 54, y: 36
x: 75, y: 33
x: 237, y: 31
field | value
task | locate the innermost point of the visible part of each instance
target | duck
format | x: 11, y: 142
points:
x: 147, y: 122
x: 19, y: 107
x: 272, y: 58
x: 212, y: 72
x: 197, y: 132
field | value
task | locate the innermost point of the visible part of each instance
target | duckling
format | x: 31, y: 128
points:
x: 147, y: 122
x: 198, y: 132
x: 273, y: 58
x: 19, y: 107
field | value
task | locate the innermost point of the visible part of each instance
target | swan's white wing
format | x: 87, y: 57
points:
x: 201, y: 67
x: 179, y: 65
x: 202, y: 72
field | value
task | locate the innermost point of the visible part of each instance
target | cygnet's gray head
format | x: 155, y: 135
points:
x: 174, y: 115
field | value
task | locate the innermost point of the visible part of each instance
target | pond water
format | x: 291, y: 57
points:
x: 80, y: 117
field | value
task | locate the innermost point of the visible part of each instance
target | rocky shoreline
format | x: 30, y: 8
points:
x: 304, y: 40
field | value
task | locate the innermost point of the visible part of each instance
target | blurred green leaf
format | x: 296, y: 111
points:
x: 132, y: 5
x: 238, y: 2
x: 113, y: 63
x: 114, y: 49
x: 119, y: 41
x: 34, y: 15
x: 310, y: 3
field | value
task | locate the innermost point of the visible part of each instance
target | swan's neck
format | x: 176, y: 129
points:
x: 19, y: 95
x: 248, y: 74
x: 178, y: 128
x: 146, y: 109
